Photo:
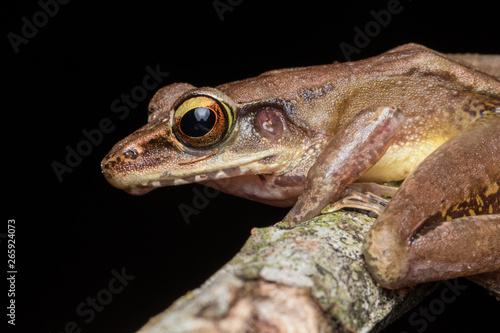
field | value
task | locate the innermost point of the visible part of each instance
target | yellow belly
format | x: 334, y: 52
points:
x: 400, y: 160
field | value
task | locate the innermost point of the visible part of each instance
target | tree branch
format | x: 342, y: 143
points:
x: 308, y: 279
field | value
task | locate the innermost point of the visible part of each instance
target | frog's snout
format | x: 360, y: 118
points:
x: 106, y: 169
x: 120, y: 164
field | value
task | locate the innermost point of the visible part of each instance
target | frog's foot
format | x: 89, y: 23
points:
x: 370, y: 202
x: 285, y: 225
x: 369, y: 197
x: 385, y: 191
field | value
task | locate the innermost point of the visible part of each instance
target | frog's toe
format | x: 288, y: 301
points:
x: 357, y: 198
x: 286, y: 225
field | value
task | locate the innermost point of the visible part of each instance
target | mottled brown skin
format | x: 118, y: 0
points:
x: 306, y: 133
x: 442, y: 238
x: 354, y: 149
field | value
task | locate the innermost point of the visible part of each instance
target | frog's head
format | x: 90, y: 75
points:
x: 201, y: 134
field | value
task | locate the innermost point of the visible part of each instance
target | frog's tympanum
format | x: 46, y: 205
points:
x: 301, y: 136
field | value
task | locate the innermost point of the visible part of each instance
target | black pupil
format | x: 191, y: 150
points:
x: 197, y: 122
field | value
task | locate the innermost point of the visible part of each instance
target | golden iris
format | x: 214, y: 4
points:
x: 202, y: 121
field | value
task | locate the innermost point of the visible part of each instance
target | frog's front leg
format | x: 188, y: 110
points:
x: 423, y: 235
x: 354, y: 149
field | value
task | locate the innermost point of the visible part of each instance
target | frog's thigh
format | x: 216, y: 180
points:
x: 408, y: 245
x: 460, y: 247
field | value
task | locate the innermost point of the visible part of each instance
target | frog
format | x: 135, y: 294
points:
x: 309, y: 137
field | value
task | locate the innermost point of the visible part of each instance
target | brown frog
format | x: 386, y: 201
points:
x: 302, y: 136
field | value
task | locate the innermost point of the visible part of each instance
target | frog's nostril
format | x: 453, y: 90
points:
x: 131, y: 153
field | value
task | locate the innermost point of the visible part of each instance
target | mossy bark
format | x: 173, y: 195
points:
x: 308, y: 279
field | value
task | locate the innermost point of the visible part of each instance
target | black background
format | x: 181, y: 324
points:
x: 70, y: 235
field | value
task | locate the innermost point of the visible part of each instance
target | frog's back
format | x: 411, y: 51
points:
x: 438, y: 96
x: 411, y: 77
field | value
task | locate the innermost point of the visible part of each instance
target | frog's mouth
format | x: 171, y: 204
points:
x: 215, y: 176
x: 198, y: 170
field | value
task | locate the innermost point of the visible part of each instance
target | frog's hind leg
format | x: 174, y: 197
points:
x: 460, y: 247
x: 433, y: 228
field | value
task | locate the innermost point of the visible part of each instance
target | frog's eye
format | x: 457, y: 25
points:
x: 202, y: 121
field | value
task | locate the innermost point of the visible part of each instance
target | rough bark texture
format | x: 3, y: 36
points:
x: 308, y: 279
